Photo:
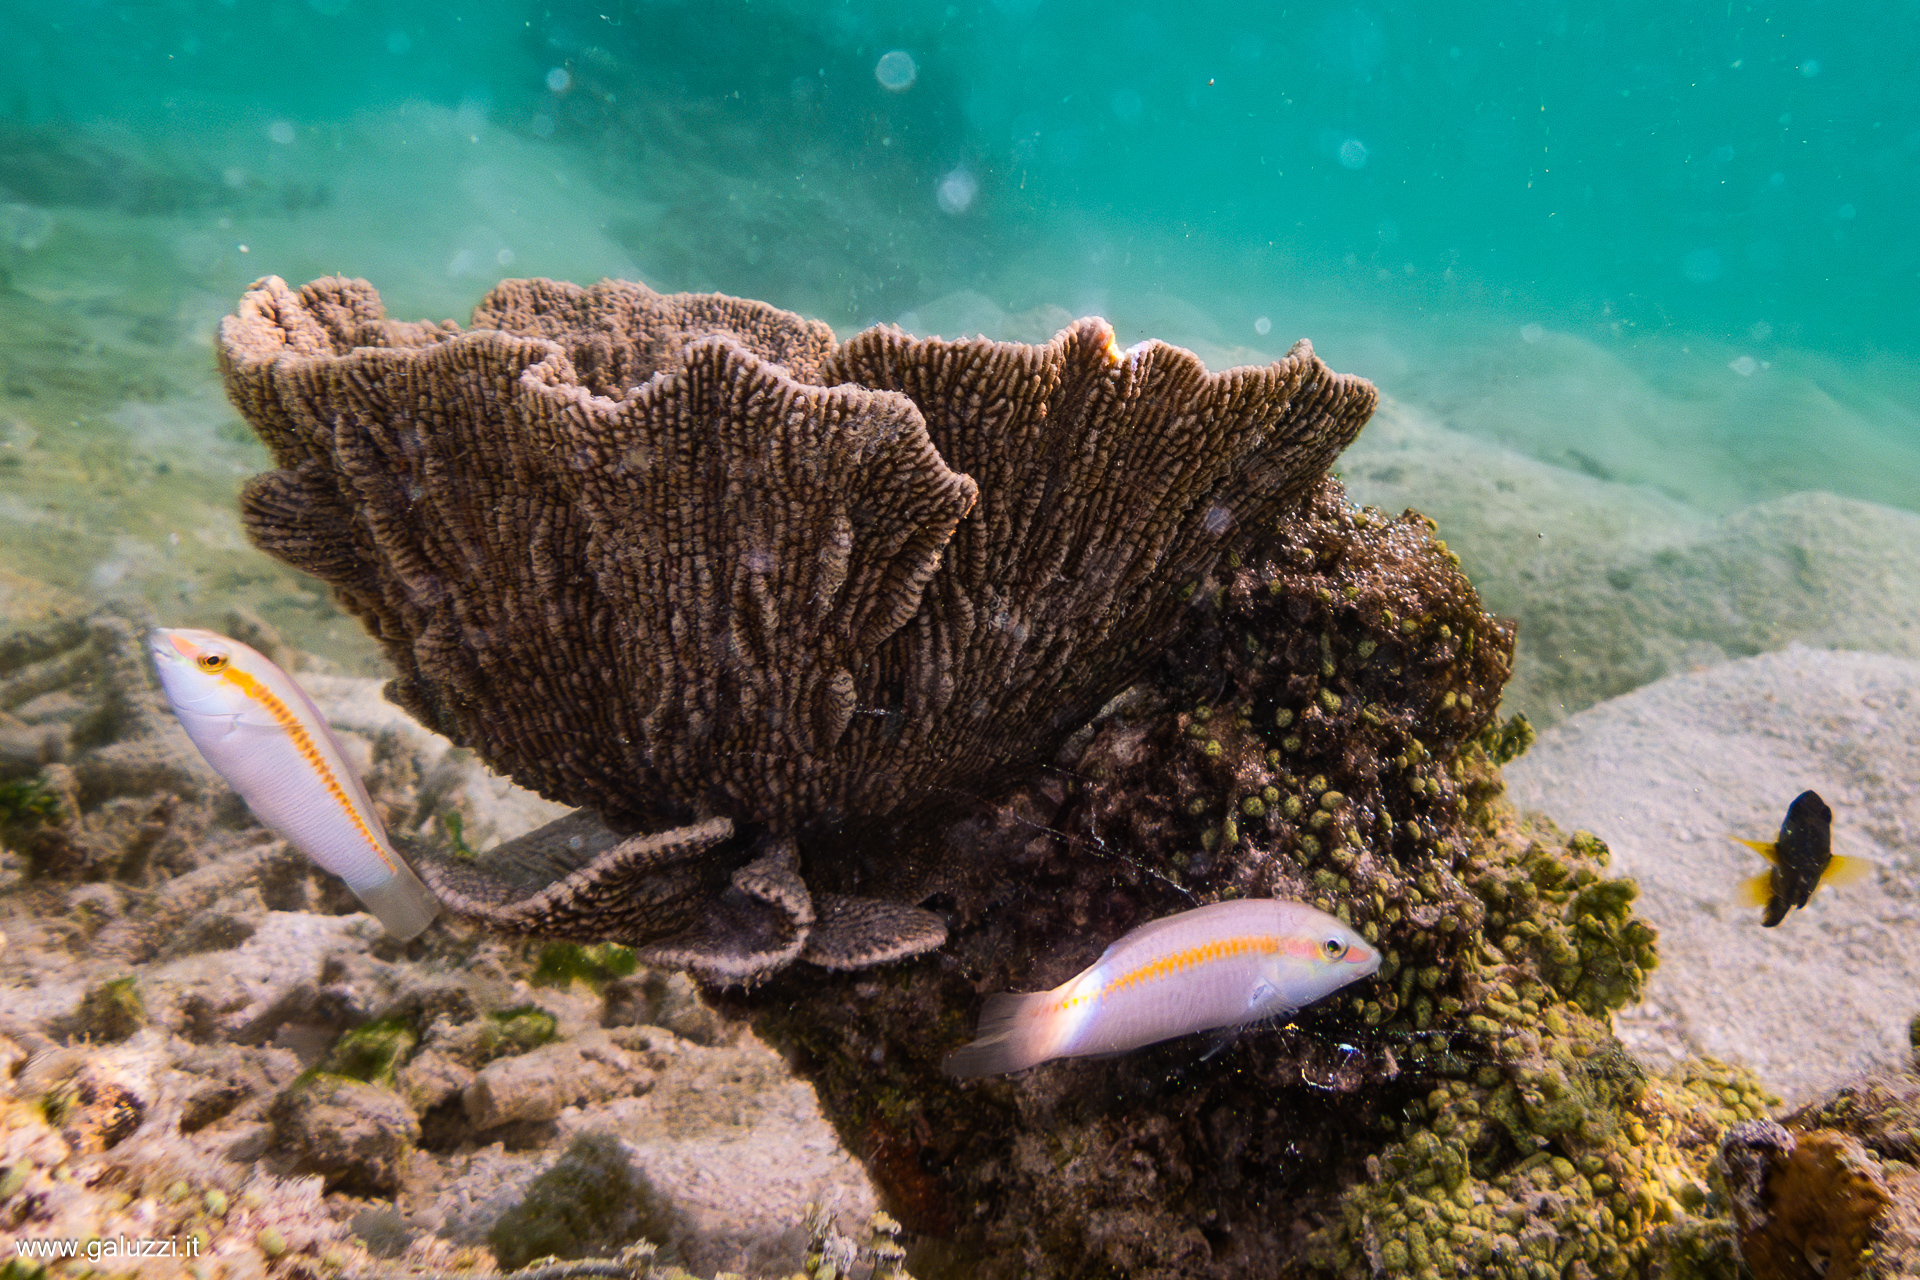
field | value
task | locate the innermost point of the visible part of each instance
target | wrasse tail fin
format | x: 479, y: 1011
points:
x: 404, y: 905
x: 1762, y: 847
x: 1758, y: 891
x: 1012, y: 1037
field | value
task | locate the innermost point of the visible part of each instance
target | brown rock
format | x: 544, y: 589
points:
x: 354, y: 1135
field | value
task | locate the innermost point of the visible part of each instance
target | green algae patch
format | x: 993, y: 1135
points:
x: 564, y: 962
x: 27, y: 802
x: 521, y: 1029
x: 111, y: 1011
x: 374, y: 1052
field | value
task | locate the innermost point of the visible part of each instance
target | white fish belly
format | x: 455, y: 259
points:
x: 1218, y: 993
x: 291, y: 796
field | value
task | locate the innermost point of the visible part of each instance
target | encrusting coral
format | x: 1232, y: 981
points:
x: 686, y: 564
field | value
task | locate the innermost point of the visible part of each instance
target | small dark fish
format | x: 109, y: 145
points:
x: 1802, y: 857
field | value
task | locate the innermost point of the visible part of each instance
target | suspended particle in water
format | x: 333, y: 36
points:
x: 1217, y: 520
x: 281, y: 132
x: 504, y: 257
x: 1263, y: 326
x: 896, y: 71
x: 559, y: 80
x: 1810, y: 68
x: 1532, y: 333
x: 1760, y: 331
x: 1353, y: 154
x: 1846, y: 213
x: 542, y: 125
x: 1745, y: 366
x: 956, y: 191
x: 398, y: 42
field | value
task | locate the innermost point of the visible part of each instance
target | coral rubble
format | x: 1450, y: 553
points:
x: 203, y: 1041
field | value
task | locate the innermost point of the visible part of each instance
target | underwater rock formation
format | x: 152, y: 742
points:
x: 683, y: 562
x: 1834, y: 1189
x: 1326, y: 734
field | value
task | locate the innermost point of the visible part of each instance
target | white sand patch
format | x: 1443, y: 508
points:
x: 1668, y: 774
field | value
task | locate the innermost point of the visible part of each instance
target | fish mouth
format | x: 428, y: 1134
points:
x: 164, y: 647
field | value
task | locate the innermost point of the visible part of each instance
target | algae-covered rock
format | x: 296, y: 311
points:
x: 1834, y: 1190
x: 591, y: 1203
x: 538, y: 1084
x: 355, y: 1135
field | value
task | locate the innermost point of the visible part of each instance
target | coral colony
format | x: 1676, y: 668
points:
x: 892, y: 674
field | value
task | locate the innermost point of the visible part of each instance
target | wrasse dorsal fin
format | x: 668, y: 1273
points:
x: 1765, y: 848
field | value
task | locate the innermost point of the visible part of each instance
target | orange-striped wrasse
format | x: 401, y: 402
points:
x: 262, y: 733
x: 1802, y: 859
x: 1214, y: 967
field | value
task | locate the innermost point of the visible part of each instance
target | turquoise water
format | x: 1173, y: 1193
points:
x: 1665, y: 250
x: 1639, y: 283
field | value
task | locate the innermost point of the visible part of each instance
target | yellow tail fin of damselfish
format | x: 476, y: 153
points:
x: 1758, y: 891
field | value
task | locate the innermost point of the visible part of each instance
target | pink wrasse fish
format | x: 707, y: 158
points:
x: 262, y: 733
x: 1217, y: 966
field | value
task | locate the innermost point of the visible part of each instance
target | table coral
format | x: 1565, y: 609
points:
x: 682, y: 561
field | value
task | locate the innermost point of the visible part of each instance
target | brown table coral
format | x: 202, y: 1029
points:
x: 686, y: 563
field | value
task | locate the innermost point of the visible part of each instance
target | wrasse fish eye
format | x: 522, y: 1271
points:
x: 260, y: 731
x: 1215, y: 967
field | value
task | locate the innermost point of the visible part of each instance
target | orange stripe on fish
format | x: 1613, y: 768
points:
x: 303, y: 743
